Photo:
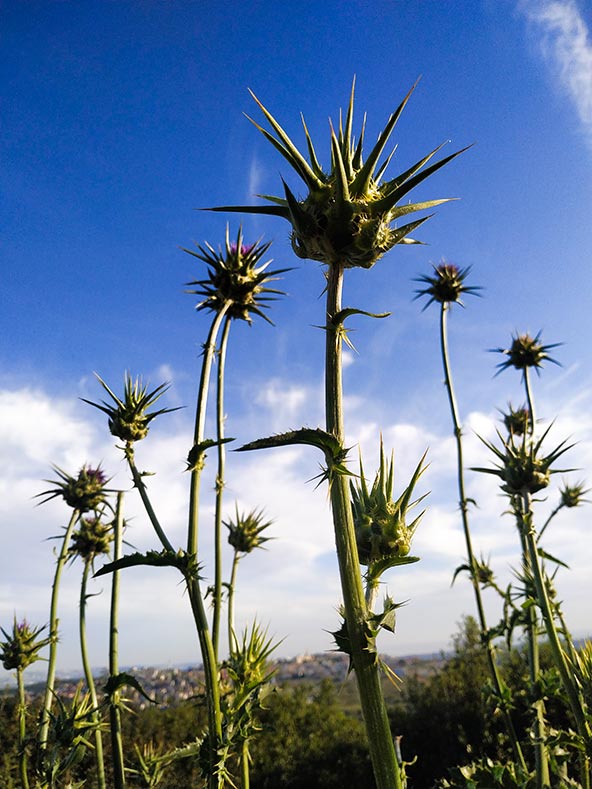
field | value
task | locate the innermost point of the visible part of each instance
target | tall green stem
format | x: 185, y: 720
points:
x: 89, y: 677
x: 53, y: 633
x: 463, y: 504
x: 232, y: 643
x: 114, y: 709
x: 529, y: 398
x: 22, y: 728
x: 199, y: 431
x: 382, y: 751
x: 141, y: 487
x: 219, y: 484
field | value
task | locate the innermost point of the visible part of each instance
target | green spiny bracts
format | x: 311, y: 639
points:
x: 128, y: 419
x: 244, y: 532
x: 84, y: 493
x: 380, y: 522
x: 22, y: 646
x: 517, y: 421
x: 523, y: 469
x: 447, y: 284
x: 349, y: 216
x: 526, y: 351
x: 235, y: 277
x: 573, y: 495
x: 92, y: 538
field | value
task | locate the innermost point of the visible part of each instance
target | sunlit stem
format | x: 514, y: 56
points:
x: 244, y: 759
x: 53, y: 633
x: 524, y: 516
x: 22, y: 727
x: 141, y: 487
x: 463, y: 504
x: 574, y: 696
x: 199, y: 430
x: 382, y: 751
x: 211, y: 676
x: 371, y: 593
x: 232, y: 642
x: 219, y: 484
x: 529, y: 398
x: 114, y: 709
x: 90, y: 683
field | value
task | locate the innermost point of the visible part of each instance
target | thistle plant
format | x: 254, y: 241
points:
x: 18, y: 651
x: 446, y: 286
x: 348, y: 219
x: 245, y: 534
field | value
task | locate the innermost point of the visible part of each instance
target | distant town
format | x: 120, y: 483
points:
x: 167, y: 686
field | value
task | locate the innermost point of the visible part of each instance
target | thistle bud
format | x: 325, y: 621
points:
x: 92, y: 538
x: 244, y: 533
x: 517, y: 421
x: 84, y: 492
x: 22, y: 646
x: 447, y: 284
x: 526, y: 351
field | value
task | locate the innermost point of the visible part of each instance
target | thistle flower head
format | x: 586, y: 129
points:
x: 129, y: 419
x: 84, y: 493
x: 573, y: 495
x: 446, y: 285
x: 92, y: 538
x: 517, y: 421
x: 523, y: 469
x: 381, y: 527
x: 526, y: 351
x: 22, y: 646
x: 350, y: 215
x: 245, y: 531
x: 236, y: 279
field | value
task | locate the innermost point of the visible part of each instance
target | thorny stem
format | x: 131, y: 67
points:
x: 386, y: 767
x: 114, y: 710
x: 22, y: 728
x: 141, y: 487
x: 53, y: 634
x: 200, y: 421
x: 463, y: 504
x: 232, y: 643
x: 219, y: 484
x: 575, y: 699
x: 89, y: 677
x: 523, y: 514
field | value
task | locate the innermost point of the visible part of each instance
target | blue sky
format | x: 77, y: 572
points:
x: 121, y: 118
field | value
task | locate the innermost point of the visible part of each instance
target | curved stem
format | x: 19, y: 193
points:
x: 549, y: 519
x: 22, y: 728
x: 463, y: 504
x: 232, y: 642
x: 141, y: 487
x: 114, y: 710
x: 529, y: 398
x: 89, y: 678
x: 53, y: 633
x: 199, y: 430
x: 382, y: 751
x: 219, y: 484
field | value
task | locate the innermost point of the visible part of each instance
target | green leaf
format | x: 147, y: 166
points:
x: 117, y: 681
x: 181, y: 560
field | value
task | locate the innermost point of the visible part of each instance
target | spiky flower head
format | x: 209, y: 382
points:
x: 523, y: 469
x: 446, y: 285
x: 92, y: 538
x: 349, y: 216
x: 236, y: 278
x: 517, y: 421
x: 245, y: 531
x: 526, y: 351
x: 22, y: 646
x: 129, y: 419
x: 380, y: 522
x: 573, y: 495
x: 84, y: 493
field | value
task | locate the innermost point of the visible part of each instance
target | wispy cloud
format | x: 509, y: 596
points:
x: 565, y: 42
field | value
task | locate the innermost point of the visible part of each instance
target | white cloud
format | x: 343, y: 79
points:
x: 565, y: 42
